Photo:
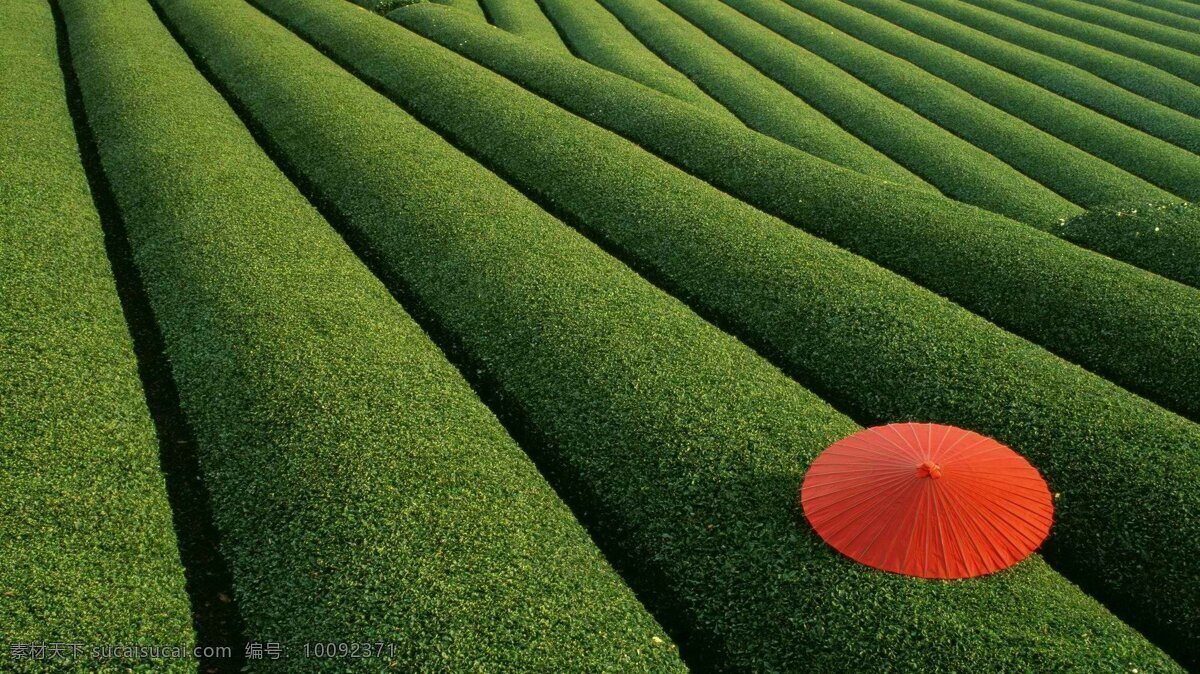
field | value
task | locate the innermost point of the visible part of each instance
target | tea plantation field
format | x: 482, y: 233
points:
x: 498, y: 335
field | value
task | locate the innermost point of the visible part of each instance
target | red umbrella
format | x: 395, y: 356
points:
x: 927, y: 500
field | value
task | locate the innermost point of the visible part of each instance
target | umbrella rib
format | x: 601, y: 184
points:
x: 964, y: 561
x: 943, y: 498
x: 999, y: 501
x: 873, y: 484
x: 997, y: 506
x: 985, y: 442
x: 855, y: 443
x: 984, y: 530
x: 833, y: 532
x: 880, y: 507
x: 909, y: 548
x: 904, y: 450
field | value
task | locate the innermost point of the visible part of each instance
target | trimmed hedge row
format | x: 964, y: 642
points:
x: 691, y: 445
x: 383, y: 5
x: 1180, y: 7
x: 1146, y: 80
x: 1166, y: 235
x: 959, y: 169
x: 1184, y: 39
x: 900, y: 352
x: 597, y: 36
x: 762, y: 103
x: 1068, y: 170
x: 1052, y: 292
x: 1174, y: 61
x: 469, y: 6
x: 87, y: 544
x: 524, y: 18
x: 1171, y: 13
x: 1066, y: 80
x: 363, y: 492
x: 1171, y: 168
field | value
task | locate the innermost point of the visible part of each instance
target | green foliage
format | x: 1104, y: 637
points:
x: 382, y: 6
x: 1164, y: 235
x: 596, y: 35
x: 1146, y: 80
x: 363, y: 491
x: 1061, y: 78
x: 762, y: 103
x: 1053, y: 293
x: 691, y: 444
x: 865, y: 338
x: 1177, y: 7
x: 1174, y: 13
x: 1080, y: 177
x: 524, y: 18
x: 87, y: 549
x: 1174, y: 61
x: 959, y: 169
x: 470, y: 6
x: 1184, y: 39
x: 1172, y: 168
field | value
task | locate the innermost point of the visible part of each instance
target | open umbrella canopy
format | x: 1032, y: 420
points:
x: 927, y: 500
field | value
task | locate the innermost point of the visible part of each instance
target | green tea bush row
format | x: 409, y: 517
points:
x: 524, y: 18
x: 760, y: 102
x: 1052, y: 292
x: 89, y: 553
x: 383, y: 5
x: 1146, y: 80
x: 1174, y: 61
x: 1183, y: 8
x: 1071, y: 172
x: 956, y: 167
x: 1166, y: 236
x: 1061, y: 78
x: 597, y: 36
x: 1181, y: 15
x: 363, y: 492
x: 646, y: 402
x: 1172, y: 168
x: 1184, y: 38
x: 470, y: 6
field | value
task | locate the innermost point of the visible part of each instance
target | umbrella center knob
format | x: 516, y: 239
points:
x: 929, y: 469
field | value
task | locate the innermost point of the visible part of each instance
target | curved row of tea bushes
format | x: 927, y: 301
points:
x: 1068, y: 170
x: 1173, y: 13
x: 789, y: 293
x: 363, y: 492
x: 1185, y: 39
x: 381, y: 5
x: 1046, y: 289
x: 1061, y: 78
x: 957, y: 168
x: 760, y: 102
x: 1146, y: 80
x: 690, y: 445
x: 469, y: 6
x: 1174, y: 61
x: 524, y: 18
x: 1165, y: 235
x: 597, y: 36
x: 88, y: 552
x: 1172, y: 168
x: 1184, y: 8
